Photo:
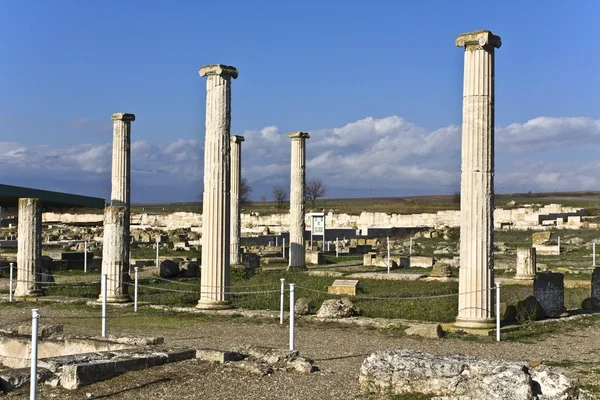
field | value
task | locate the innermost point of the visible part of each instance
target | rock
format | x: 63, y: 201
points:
x: 169, y: 269
x: 303, y: 306
x: 338, y: 308
x: 511, y: 203
x: 190, y: 269
x: 300, y: 365
x: 541, y: 237
x: 429, y: 331
x: 459, y: 377
x: 575, y: 241
x: 591, y: 304
x: 549, y: 384
x: 441, y: 270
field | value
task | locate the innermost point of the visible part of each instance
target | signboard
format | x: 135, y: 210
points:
x: 318, y: 225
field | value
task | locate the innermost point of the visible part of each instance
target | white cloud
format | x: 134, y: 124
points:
x: 545, y: 132
x: 386, y: 156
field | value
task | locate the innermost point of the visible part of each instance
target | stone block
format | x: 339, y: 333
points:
x: 218, y: 355
x: 549, y: 290
x: 541, y: 237
x: 74, y: 376
x: 250, y: 261
x: 430, y: 331
x: 368, y: 258
x: 421, y: 261
x: 315, y: 257
x: 344, y: 286
x: 546, y: 249
x: 596, y: 283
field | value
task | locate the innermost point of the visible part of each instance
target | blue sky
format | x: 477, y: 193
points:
x: 377, y: 84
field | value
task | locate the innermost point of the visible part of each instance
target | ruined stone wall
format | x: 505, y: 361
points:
x: 552, y: 215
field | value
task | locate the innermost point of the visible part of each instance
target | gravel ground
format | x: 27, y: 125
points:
x: 338, y: 351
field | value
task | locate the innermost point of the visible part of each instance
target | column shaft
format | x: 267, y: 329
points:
x: 236, y: 172
x: 475, y: 304
x: 216, y: 198
x: 29, y: 251
x: 297, y: 200
x: 114, y: 263
x: 121, y: 173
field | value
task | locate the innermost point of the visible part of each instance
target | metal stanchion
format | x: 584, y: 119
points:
x: 282, y: 301
x: 497, y: 311
x: 135, y: 291
x: 35, y: 319
x: 10, y: 288
x: 388, y: 254
x: 292, y: 285
x: 104, y: 287
x: 85, y: 257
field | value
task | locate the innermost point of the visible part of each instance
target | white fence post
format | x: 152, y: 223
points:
x: 410, y: 246
x: 497, y: 311
x: 104, y: 286
x: 276, y: 241
x: 559, y: 245
x: 292, y: 285
x: 85, y: 257
x: 135, y: 291
x: 35, y: 319
x: 282, y: 301
x: 10, y: 288
x: 337, y: 248
x: 388, y: 254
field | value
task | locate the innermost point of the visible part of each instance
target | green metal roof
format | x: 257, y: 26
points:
x: 10, y: 195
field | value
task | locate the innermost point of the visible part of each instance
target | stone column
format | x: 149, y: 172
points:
x: 475, y: 303
x: 297, y: 201
x: 114, y: 256
x: 216, y: 198
x: 121, y: 173
x: 526, y: 263
x: 29, y: 252
x: 236, y: 172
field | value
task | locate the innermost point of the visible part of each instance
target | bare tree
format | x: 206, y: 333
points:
x: 245, y: 191
x: 279, y: 194
x: 315, y: 188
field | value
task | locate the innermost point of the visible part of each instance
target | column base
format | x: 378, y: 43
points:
x: 31, y: 293
x: 123, y: 298
x: 475, y: 323
x: 214, y: 305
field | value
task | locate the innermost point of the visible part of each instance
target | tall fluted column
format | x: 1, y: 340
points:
x: 29, y: 252
x: 114, y: 256
x: 475, y: 301
x: 236, y: 172
x: 297, y: 200
x: 216, y: 198
x: 121, y: 172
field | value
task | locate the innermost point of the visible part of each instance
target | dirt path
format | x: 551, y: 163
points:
x: 338, y: 352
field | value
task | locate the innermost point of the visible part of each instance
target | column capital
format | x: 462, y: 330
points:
x: 123, y: 117
x: 236, y: 139
x: 478, y: 40
x: 219, y: 69
x: 299, y: 135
